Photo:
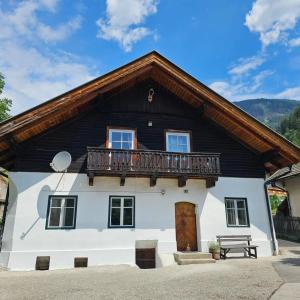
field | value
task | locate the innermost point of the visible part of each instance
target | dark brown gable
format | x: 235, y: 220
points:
x: 276, y: 151
x: 130, y: 109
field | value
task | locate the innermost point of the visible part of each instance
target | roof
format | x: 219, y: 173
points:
x: 286, y: 172
x: 276, y: 151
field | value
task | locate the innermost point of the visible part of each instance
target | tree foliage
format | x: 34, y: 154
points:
x: 5, y: 104
x: 290, y: 126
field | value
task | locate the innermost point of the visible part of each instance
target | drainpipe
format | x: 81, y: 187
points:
x: 267, y: 182
x: 5, y: 209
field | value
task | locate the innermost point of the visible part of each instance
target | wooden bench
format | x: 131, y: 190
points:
x: 225, y: 248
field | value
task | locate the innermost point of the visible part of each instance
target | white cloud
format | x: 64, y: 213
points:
x: 294, y: 42
x: 32, y: 72
x: 273, y: 19
x: 49, y: 34
x: 245, y: 65
x: 23, y: 22
x: 123, y: 21
x: 290, y: 93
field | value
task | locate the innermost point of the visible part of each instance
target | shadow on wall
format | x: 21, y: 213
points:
x: 257, y: 211
x: 42, y: 205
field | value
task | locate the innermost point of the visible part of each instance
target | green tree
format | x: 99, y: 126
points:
x: 290, y: 126
x: 5, y: 104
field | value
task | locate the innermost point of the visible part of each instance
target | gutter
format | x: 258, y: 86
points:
x: 267, y: 182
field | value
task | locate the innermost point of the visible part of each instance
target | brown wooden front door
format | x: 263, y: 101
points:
x: 186, y: 231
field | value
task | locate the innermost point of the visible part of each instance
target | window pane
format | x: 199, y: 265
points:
x: 182, y: 140
x: 231, y: 217
x: 116, y: 202
x: 242, y: 217
x: 240, y: 204
x: 56, y: 202
x: 126, y: 145
x: 128, y: 202
x: 229, y: 203
x: 172, y: 139
x: 127, y: 217
x: 54, y: 217
x: 127, y: 137
x: 69, y: 216
x: 115, y: 216
x: 115, y: 136
x: 182, y: 148
x: 116, y: 145
x: 70, y: 202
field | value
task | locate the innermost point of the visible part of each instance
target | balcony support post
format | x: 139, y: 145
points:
x: 153, y: 179
x: 182, y: 181
x: 211, y: 182
x: 122, y: 180
x: 91, y: 179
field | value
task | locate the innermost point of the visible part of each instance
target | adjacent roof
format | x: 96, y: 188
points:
x: 286, y: 172
x: 276, y: 151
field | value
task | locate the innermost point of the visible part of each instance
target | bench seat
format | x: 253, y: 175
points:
x: 225, y: 248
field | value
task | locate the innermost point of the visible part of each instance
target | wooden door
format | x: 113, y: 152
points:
x: 186, y: 231
x: 145, y: 258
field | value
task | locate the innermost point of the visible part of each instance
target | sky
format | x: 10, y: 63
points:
x: 243, y: 49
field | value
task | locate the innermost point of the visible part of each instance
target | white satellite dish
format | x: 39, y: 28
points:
x: 61, y: 161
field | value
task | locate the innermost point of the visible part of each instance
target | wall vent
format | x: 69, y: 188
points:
x: 42, y: 263
x: 80, y: 262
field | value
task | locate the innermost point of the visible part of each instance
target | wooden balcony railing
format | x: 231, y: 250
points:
x: 112, y: 162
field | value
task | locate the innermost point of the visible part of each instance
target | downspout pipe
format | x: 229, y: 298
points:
x: 272, y: 228
x: 5, y: 209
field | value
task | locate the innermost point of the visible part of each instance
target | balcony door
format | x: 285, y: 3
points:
x: 186, y: 230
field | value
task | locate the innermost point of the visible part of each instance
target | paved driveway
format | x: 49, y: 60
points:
x: 288, y: 267
x: 230, y: 279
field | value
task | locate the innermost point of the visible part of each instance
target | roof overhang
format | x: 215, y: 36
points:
x: 276, y: 151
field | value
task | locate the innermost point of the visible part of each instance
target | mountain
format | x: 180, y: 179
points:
x: 269, y: 111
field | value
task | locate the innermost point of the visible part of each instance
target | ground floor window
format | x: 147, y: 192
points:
x: 121, y: 211
x: 61, y: 212
x: 236, y: 212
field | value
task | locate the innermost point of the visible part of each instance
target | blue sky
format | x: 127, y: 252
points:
x: 242, y: 49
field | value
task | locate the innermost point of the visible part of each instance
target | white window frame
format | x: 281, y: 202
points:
x: 63, y: 209
x: 178, y: 133
x: 236, y: 209
x: 122, y: 211
x: 111, y: 130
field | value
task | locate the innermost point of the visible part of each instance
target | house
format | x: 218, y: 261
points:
x: 159, y: 161
x: 288, y: 180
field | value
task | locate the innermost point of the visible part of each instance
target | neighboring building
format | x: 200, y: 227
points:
x: 159, y: 161
x: 290, y: 181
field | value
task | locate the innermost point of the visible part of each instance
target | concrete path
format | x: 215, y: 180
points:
x: 288, y: 267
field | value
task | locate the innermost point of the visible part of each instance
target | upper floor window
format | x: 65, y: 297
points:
x: 236, y: 212
x: 61, y: 212
x: 121, y: 139
x: 177, y: 141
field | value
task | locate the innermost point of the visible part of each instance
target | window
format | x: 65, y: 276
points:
x: 236, y: 212
x: 61, y: 212
x: 121, y: 211
x: 178, y: 141
x: 121, y: 139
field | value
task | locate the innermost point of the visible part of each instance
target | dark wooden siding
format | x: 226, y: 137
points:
x: 131, y: 109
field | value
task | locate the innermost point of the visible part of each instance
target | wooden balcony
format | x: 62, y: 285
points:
x: 152, y: 164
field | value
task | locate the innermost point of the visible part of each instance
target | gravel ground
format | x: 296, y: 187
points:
x: 230, y: 279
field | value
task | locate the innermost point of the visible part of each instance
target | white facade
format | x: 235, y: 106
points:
x: 25, y: 236
x: 293, y: 186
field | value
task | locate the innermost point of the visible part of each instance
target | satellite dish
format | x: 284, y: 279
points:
x: 61, y: 161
